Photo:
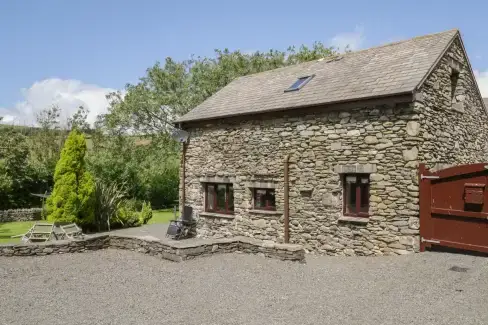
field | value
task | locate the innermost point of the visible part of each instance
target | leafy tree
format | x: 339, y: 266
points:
x: 148, y: 168
x: 47, y: 142
x: 73, y: 196
x: 5, y: 182
x: 145, y: 110
x: 129, y: 145
x: 172, y: 89
x: 79, y: 120
x: 17, y: 177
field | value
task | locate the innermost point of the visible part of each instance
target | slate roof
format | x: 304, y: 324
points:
x: 391, y: 69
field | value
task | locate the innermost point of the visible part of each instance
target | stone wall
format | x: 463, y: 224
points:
x: 56, y: 247
x: 454, y: 123
x: 386, y: 141
x: 176, y: 251
x: 20, y: 215
x: 180, y: 251
x: 319, y: 145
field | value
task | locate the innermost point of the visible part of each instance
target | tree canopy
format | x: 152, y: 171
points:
x: 172, y: 89
x: 128, y: 145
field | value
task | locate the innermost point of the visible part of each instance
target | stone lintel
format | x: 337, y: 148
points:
x: 266, y: 212
x: 216, y: 215
x: 217, y: 179
x: 260, y: 185
x: 355, y: 169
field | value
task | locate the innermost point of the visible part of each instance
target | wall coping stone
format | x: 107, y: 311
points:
x: 165, y: 248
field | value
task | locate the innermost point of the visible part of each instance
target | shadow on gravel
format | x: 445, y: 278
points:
x: 439, y: 249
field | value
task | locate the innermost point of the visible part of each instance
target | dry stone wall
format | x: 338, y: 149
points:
x: 57, y: 247
x: 386, y: 141
x: 176, y: 251
x: 20, y: 215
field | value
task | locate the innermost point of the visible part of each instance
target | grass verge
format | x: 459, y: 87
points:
x: 162, y: 216
x: 9, y: 229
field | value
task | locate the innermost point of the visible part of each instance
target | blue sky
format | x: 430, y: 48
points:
x: 73, y: 53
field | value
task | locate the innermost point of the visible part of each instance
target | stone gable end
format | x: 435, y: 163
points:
x: 455, y: 122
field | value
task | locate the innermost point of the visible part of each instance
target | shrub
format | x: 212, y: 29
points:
x: 127, y: 214
x: 73, y: 196
x: 108, y: 199
x: 146, y: 213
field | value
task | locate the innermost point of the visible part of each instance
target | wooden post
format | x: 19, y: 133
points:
x: 183, y: 189
x: 424, y: 205
x: 287, y: 201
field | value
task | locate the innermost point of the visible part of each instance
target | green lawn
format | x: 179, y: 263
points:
x: 9, y: 229
x: 162, y: 216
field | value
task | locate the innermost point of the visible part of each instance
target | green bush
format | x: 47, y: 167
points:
x: 108, y: 198
x: 73, y: 196
x: 151, y: 173
x: 146, y: 213
x: 127, y: 214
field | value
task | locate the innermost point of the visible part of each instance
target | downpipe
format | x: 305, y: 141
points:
x: 286, y: 211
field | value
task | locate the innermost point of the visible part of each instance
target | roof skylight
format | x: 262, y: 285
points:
x: 299, y: 83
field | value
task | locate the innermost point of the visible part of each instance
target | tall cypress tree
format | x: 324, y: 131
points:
x: 73, y: 196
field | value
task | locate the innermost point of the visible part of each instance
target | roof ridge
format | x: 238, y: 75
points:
x: 403, y: 41
x: 348, y: 53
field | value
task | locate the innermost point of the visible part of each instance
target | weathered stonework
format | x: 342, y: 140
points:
x: 452, y: 136
x: 20, y: 215
x: 236, y: 149
x: 176, y: 251
x: 56, y: 247
x: 387, y: 142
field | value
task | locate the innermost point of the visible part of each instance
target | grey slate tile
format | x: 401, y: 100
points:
x: 384, y: 70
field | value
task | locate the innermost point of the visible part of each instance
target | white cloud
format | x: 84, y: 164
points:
x: 482, y: 79
x: 67, y: 94
x: 351, y: 40
x: 6, y: 118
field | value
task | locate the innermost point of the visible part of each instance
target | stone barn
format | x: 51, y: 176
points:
x: 326, y: 153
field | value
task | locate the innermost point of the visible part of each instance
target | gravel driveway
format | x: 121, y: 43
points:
x: 121, y: 287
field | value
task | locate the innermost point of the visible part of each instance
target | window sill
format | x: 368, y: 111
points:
x: 216, y: 215
x: 268, y: 212
x: 361, y: 220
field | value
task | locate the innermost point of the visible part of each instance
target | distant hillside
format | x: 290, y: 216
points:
x: 27, y: 130
x: 31, y: 130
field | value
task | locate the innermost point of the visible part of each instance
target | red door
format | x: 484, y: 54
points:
x: 454, y: 207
